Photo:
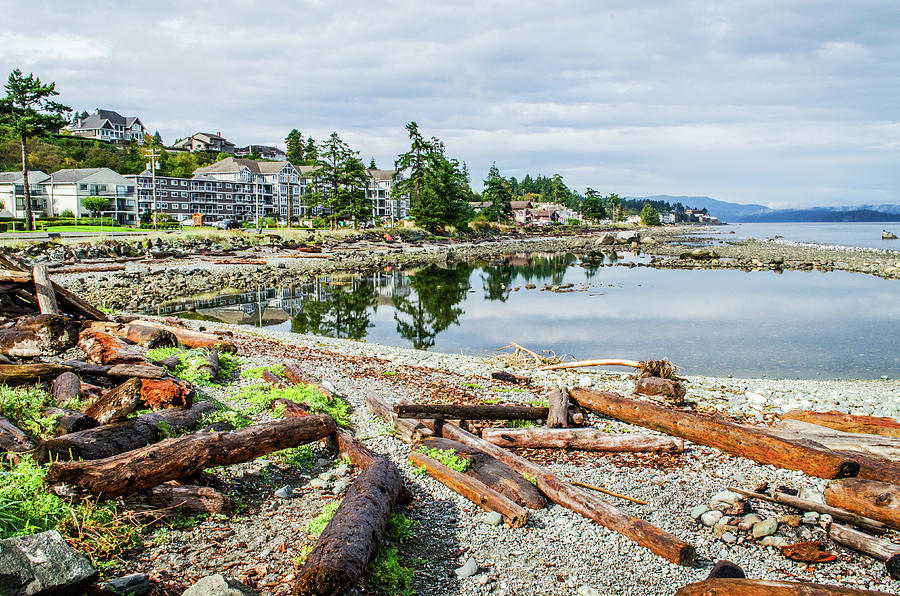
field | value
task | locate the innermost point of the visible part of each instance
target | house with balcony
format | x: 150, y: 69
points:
x: 205, y: 141
x: 276, y: 185
x: 64, y: 190
x: 107, y: 125
x: 379, y: 190
x: 264, y: 152
x: 12, y: 193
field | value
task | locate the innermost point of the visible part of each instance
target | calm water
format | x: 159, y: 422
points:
x: 794, y: 324
x: 863, y: 235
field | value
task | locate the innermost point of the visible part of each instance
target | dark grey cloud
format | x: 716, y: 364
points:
x: 778, y: 102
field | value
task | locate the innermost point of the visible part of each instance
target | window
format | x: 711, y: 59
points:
x: 163, y: 193
x: 228, y: 197
x: 184, y: 205
x: 163, y: 205
x: 184, y: 195
x: 184, y: 183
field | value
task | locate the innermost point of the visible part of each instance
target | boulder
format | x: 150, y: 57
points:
x: 627, y: 237
x: 42, y: 564
x: 670, y: 391
x: 606, y: 239
x: 218, y: 585
x: 136, y: 584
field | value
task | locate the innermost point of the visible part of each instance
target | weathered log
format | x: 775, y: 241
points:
x: 210, y: 363
x: 502, y: 375
x: 40, y: 335
x: 43, y: 287
x: 408, y: 430
x: 158, y: 394
x: 563, y: 493
x: 467, y: 412
x: 179, y: 457
x: 762, y: 587
x: 20, y: 374
x: 183, y: 499
x: 99, y: 268
x: 871, y: 498
x: 558, y: 411
x: 171, y: 363
x: 291, y: 408
x: 65, y: 387
x: 68, y: 421
x: 112, y: 439
x: 103, y: 348
x: 493, y: 473
x: 873, y: 425
x: 874, y: 468
x: 72, y: 303
x: 877, y: 548
x: 671, y: 391
x: 146, y: 335
x: 12, y: 438
x: 126, y: 371
x: 352, y: 537
x: 296, y: 376
x: 586, y: 439
x: 270, y: 378
x: 755, y: 444
x: 11, y: 276
x: 473, y: 489
x: 116, y: 404
x: 860, y: 521
x: 576, y: 416
x: 192, y: 339
x: 874, y: 445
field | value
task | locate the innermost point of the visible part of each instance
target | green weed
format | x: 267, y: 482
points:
x: 447, y: 457
x: 297, y: 457
x: 537, y: 403
x: 318, y: 523
x: 520, y: 424
x: 192, y: 360
x: 389, y: 373
x: 391, y: 575
x: 472, y: 386
x: 492, y: 401
x: 256, y: 372
x: 260, y: 398
x: 24, y: 407
x: 400, y: 527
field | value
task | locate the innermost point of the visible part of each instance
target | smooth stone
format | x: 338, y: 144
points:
x: 219, y: 585
x: 766, y: 527
x: 317, y: 483
x: 326, y: 476
x: 825, y: 520
x: 42, y: 564
x: 136, y: 584
x: 776, y: 541
x: 484, y: 580
x: 285, y: 492
x: 469, y: 569
x: 729, y: 537
x: 341, y: 470
x: 710, y: 518
x: 339, y: 487
x: 493, y: 518
x: 811, y: 494
x: 588, y: 591
x: 726, y: 496
x: 697, y: 511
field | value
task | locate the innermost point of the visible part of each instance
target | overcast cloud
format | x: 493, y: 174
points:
x: 784, y: 103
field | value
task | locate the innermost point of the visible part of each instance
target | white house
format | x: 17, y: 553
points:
x: 12, y: 193
x: 64, y: 190
x: 107, y: 125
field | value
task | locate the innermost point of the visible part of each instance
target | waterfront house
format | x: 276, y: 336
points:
x: 107, y: 125
x: 205, y: 141
x: 264, y: 152
x: 12, y: 193
x: 63, y: 190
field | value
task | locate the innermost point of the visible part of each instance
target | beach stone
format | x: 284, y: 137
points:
x: 766, y: 527
x: 792, y: 520
x: 725, y: 568
x: 588, y: 591
x: 468, y: 569
x: 285, y: 492
x: 726, y: 496
x: 748, y: 521
x: 317, y: 483
x: 776, y: 541
x: 810, y: 518
x: 41, y: 564
x: 219, y: 585
x: 811, y: 494
x: 729, y: 537
x: 341, y: 470
x: 340, y: 486
x: 136, y: 584
x: 710, y: 518
x: 326, y: 476
x: 493, y: 518
x: 825, y: 520
x: 698, y: 510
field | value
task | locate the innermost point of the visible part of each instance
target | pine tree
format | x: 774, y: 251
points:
x: 310, y: 153
x: 412, y: 166
x: 372, y: 165
x: 341, y: 182
x: 157, y: 139
x: 295, y: 147
x: 498, y: 194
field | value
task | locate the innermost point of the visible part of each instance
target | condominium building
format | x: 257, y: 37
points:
x: 12, y: 193
x: 263, y: 151
x: 107, y: 125
x: 279, y: 184
x: 379, y: 191
x: 64, y: 190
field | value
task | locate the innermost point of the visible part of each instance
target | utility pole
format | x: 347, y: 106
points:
x: 153, y: 155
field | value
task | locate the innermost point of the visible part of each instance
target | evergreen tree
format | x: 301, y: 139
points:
x: 412, y: 166
x: 310, y: 153
x: 372, y: 165
x: 157, y: 139
x: 614, y: 207
x: 593, y: 206
x: 295, y: 147
x: 341, y: 182
x: 498, y: 194
x: 649, y: 215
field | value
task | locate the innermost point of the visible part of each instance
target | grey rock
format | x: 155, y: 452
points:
x: 729, y: 537
x: 219, y: 585
x: 726, y: 496
x: 341, y: 470
x: 340, y: 486
x: 469, y: 569
x: 493, y: 518
x: 766, y: 527
x: 775, y: 541
x: 136, y: 584
x: 588, y: 591
x: 42, y: 564
x: 316, y: 483
x: 710, y: 518
x: 697, y: 511
x: 326, y: 476
x: 811, y: 494
x: 285, y: 492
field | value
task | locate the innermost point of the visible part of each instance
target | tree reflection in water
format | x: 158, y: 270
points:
x: 339, y: 310
x: 432, y: 306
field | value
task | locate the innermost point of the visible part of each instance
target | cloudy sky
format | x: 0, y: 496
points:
x: 779, y: 102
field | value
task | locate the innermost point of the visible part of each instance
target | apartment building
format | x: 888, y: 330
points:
x: 279, y: 183
x: 63, y: 190
x: 379, y: 191
x: 205, y: 141
x: 12, y: 193
x: 107, y: 125
x: 181, y: 197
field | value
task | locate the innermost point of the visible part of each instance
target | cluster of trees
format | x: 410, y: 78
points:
x: 339, y: 182
x: 300, y: 152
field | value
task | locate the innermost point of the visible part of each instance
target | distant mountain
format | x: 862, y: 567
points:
x: 737, y: 212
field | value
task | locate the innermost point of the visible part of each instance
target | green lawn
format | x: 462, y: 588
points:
x: 106, y: 228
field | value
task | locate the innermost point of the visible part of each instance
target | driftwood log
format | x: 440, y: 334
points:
x: 112, y: 439
x: 762, y: 587
x: 876, y: 548
x: 502, y: 375
x: 103, y: 348
x: 66, y: 387
x: 68, y: 421
x: 170, y: 363
x: 564, y: 493
x: 670, y: 390
x: 558, y: 410
x: 352, y: 537
x: 210, y: 363
x: 492, y: 472
x: 138, y: 333
x: 20, y: 374
x: 43, y: 290
x: 872, y: 445
x: 872, y: 467
x: 40, y: 335
x: 117, y: 403
x: 295, y: 375
x: 474, y: 490
x: 585, y: 439
x: 182, y: 499
x: 272, y: 379
x: 126, y: 371
x: 878, y: 500
x: 407, y: 430
x: 860, y: 521
x: 158, y: 394
x: 180, y: 457
x: 755, y: 444
x: 12, y: 438
x: 191, y: 338
x: 873, y: 425
x: 467, y: 412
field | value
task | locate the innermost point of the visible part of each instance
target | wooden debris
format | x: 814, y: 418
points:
x: 66, y: 387
x: 291, y: 408
x: 171, y: 363
x: 295, y: 375
x: 141, y: 371
x: 873, y: 445
x: 410, y: 431
x: 139, y: 333
x: 467, y: 412
x: 876, y: 548
x: 646, y: 368
x: 179, y: 457
x: 112, y: 439
x: 103, y: 348
x: 576, y: 416
x: 46, y: 297
x: 240, y: 262
x: 210, y: 363
x: 877, y: 500
x: 586, y: 439
x: 605, y: 491
x: 193, y: 339
x: 860, y: 521
x: 12, y: 438
x: 558, y: 411
x: 811, y: 551
x: 476, y: 491
x: 183, y: 499
x: 68, y: 421
x: 871, y: 467
x: 502, y: 375
x: 670, y: 390
x: 40, y: 335
x: 873, y: 425
x: 352, y: 537
x: 755, y: 444
x: 98, y: 268
x: 20, y: 374
x: 158, y: 394
x: 761, y: 587
x: 116, y: 404
x: 270, y: 378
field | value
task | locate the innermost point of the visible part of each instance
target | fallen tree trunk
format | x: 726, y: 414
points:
x: 296, y: 376
x: 270, y: 378
x: 76, y: 305
x: 179, y: 457
x: 874, y: 468
x: 141, y: 371
x: 860, y: 521
x: 670, y: 390
x: 563, y: 493
x: 100, y: 268
x: 467, y: 412
x: 352, y: 537
x: 558, y: 411
x: 473, y: 489
x: 183, y: 499
x: 158, y: 394
x: 408, y: 430
x: 66, y: 387
x: 755, y: 444
x: 43, y: 290
x: 873, y: 445
x: 146, y: 335
x: 492, y: 472
x: 872, y: 425
x: 68, y: 421
x: 871, y: 498
x: 586, y: 439
x: 191, y: 338
x: 103, y: 348
x: 761, y: 587
x: 502, y: 375
x: 210, y: 363
x: 876, y: 548
x: 40, y: 335
x: 12, y: 438
x: 117, y: 403
x: 20, y: 374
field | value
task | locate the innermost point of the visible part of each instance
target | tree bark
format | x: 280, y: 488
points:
x: 761, y: 587
x: 158, y: 394
x: 272, y: 379
x: 12, y: 438
x: 492, y: 472
x: 473, y: 489
x: 502, y: 375
x: 69, y: 421
x: 352, y: 537
x: 878, y: 500
x: 112, y: 439
x: 183, y: 499
x: 146, y: 335
x: 467, y: 412
x: 587, y: 439
x: 876, y: 548
x: 672, y: 391
x: 860, y: 521
x: 558, y: 412
x: 40, y: 335
x: 872, y: 445
x: 191, y: 338
x: 19, y: 374
x: 874, y: 468
x: 116, y: 404
x: 141, y: 371
x: 65, y: 387
x: 563, y: 493
x: 755, y: 444
x: 43, y: 287
x: 103, y: 348
x: 408, y: 430
x: 211, y: 363
x: 873, y: 425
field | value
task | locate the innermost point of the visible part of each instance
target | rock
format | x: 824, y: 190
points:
x: 791, y: 520
x: 605, y: 240
x: 339, y: 487
x: 627, y: 237
x: 729, y: 537
x: 41, y: 564
x: 671, y: 391
x: 588, y: 591
x: 218, y: 585
x: 469, y: 569
x: 710, y: 518
x: 493, y: 518
x: 136, y: 584
x: 484, y: 580
x: 585, y: 382
x: 766, y: 527
x: 726, y: 496
x: 776, y: 541
x: 285, y: 492
x: 697, y: 511
x: 341, y: 470
x: 825, y: 520
x: 326, y: 476
x: 725, y: 568
x: 811, y: 494
x: 317, y: 483
x: 749, y: 521
x: 328, y: 386
x: 810, y: 518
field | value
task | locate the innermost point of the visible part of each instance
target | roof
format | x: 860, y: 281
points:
x: 34, y: 177
x: 104, y: 119
x: 235, y: 164
x: 521, y: 204
x: 74, y: 174
x: 270, y: 167
x: 381, y: 174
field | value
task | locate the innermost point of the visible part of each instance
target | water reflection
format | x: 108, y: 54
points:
x: 339, y: 309
x: 432, y: 305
